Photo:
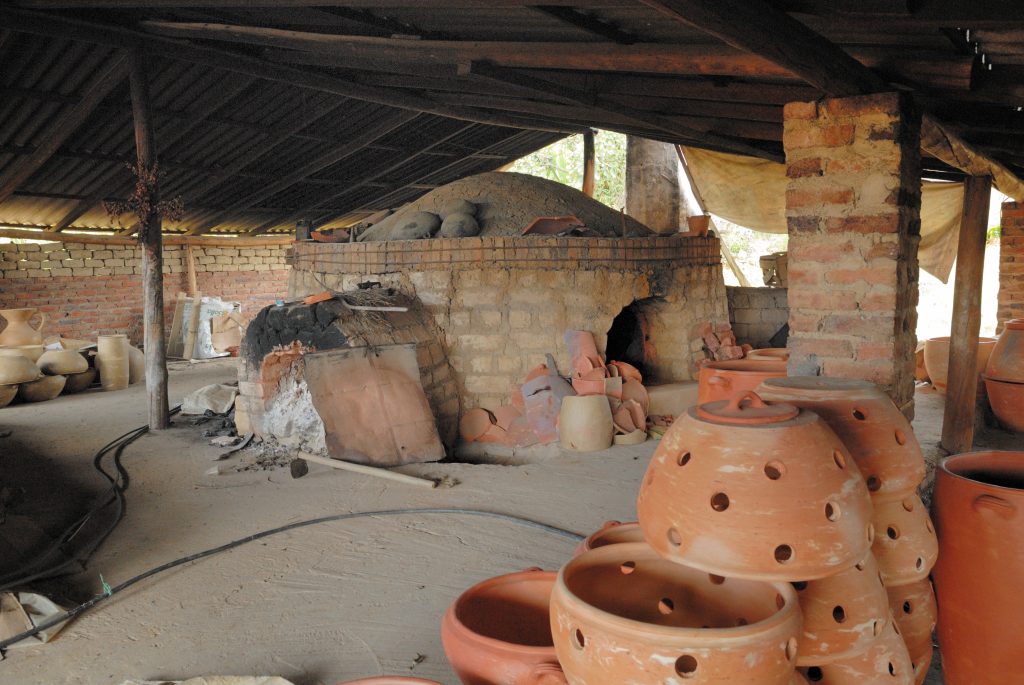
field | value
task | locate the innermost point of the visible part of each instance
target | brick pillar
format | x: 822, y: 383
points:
x: 853, y: 208
x: 1011, y: 263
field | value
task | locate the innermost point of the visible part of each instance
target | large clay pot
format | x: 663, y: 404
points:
x: 1007, y: 360
x: 877, y: 434
x: 136, y: 365
x: 32, y: 352
x: 913, y: 606
x: 623, y: 614
x: 16, y: 369
x: 391, y: 680
x: 979, y: 513
x: 1007, y: 402
x: 42, y: 390
x: 755, y: 490
x: 611, y: 533
x: 936, y: 359
x: 723, y: 380
x: 77, y: 382
x: 905, y: 543
x: 7, y: 393
x: 19, y: 330
x: 498, y: 632
x: 112, y: 361
x: 884, y: 662
x: 62, y: 363
x: 585, y: 423
x: 769, y: 354
x: 843, y: 614
x: 921, y: 665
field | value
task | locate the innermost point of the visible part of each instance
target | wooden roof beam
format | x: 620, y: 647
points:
x: 589, y: 22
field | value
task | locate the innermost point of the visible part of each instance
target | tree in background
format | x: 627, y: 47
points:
x: 563, y: 162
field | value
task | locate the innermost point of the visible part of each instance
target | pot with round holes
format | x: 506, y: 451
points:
x: 843, y: 614
x: 624, y: 614
x: 611, y: 533
x: 752, y: 489
x: 913, y: 606
x: 877, y: 434
x: 884, y: 662
x: 905, y: 542
x: 726, y: 379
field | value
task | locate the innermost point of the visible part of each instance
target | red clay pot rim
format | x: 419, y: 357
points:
x: 992, y: 379
x: 967, y: 458
x: 747, y: 366
x: 631, y: 551
x: 1014, y: 325
x: 983, y: 339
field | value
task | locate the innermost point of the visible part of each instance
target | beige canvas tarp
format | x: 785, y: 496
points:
x: 752, y: 193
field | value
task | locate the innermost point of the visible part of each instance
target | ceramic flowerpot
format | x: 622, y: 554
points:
x: 498, y: 632
x: 391, y: 680
x: 42, y: 390
x: 623, y: 614
x: 884, y: 662
x: 913, y: 606
x: 979, y: 513
x: 936, y: 359
x: 112, y: 361
x: 758, y: 490
x: 724, y: 380
x: 7, y: 393
x: 769, y: 354
x: 877, y: 434
x: 62, y: 363
x: 136, y: 365
x: 1007, y: 360
x: 905, y: 543
x: 585, y: 423
x: 843, y: 614
x: 16, y: 369
x: 19, y: 329
x: 1007, y: 402
x: 77, y: 382
x: 611, y: 533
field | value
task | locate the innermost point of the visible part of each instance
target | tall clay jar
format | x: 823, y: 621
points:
x: 112, y: 361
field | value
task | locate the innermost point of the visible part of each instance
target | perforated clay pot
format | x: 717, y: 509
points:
x: 726, y: 379
x: 913, y: 606
x: 611, y: 533
x: 905, y: 543
x: 884, y: 662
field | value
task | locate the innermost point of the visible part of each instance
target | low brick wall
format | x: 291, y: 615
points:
x: 757, y: 314
x: 87, y: 289
x: 1011, y: 263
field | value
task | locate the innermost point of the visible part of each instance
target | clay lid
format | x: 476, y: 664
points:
x: 747, y: 409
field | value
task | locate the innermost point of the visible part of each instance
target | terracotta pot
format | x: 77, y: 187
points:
x: 7, y: 393
x: 623, y: 614
x: 1007, y: 402
x: 611, y: 533
x: 77, y: 382
x: 843, y: 614
x: 62, y: 363
x: 755, y: 490
x: 1007, y: 360
x: 769, y: 354
x: 42, y: 390
x: 978, y: 505
x: 921, y: 666
x: 723, y: 380
x: 905, y: 543
x: 498, y: 632
x: 32, y: 352
x: 913, y: 606
x: 19, y: 330
x: 698, y: 224
x: 391, y: 680
x: 136, y: 365
x: 920, y: 370
x: 112, y: 361
x: 884, y: 662
x: 585, y: 423
x: 936, y: 359
x: 877, y: 434
x: 16, y: 369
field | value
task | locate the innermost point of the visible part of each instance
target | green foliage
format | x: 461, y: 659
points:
x: 994, y: 233
x: 563, y: 162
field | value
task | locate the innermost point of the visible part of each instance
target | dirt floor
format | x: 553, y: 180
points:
x: 318, y: 605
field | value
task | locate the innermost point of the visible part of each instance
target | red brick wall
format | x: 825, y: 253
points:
x: 1011, y: 263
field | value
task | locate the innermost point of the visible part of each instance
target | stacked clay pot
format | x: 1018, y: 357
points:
x: 1004, y: 376
x: 719, y: 380
x: 885, y: 450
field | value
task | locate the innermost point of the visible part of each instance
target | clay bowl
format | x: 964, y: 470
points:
x: 7, y: 393
x: 755, y: 490
x: 769, y: 354
x: 42, y: 390
x: 16, y: 369
x: 611, y: 533
x: 498, y: 632
x: 1006, y: 400
x: 936, y: 359
x: 77, y: 382
x: 62, y: 363
x: 843, y: 614
x: 905, y: 544
x: 913, y: 606
x: 1007, y: 360
x: 724, y: 380
x: 390, y: 680
x: 877, y: 434
x: 623, y: 614
x: 884, y: 662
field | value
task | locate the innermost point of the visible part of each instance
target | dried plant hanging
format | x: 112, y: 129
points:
x: 141, y: 201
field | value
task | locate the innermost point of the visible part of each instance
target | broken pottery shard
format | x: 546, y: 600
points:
x: 582, y: 351
x: 543, y: 399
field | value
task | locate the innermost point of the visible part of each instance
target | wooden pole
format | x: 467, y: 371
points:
x: 589, y: 164
x: 152, y: 252
x: 962, y: 388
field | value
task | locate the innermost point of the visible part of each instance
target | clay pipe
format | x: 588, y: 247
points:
x: 299, y: 469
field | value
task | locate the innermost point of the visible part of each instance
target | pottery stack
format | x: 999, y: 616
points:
x: 1004, y: 376
x: 886, y: 452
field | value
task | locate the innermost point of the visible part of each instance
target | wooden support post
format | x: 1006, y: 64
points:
x: 589, y: 164
x: 152, y: 252
x: 962, y: 388
x: 190, y: 264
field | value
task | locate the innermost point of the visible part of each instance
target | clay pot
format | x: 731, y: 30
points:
x: 877, y: 434
x: 936, y: 359
x: 921, y: 665
x: 42, y: 390
x: 755, y: 490
x: 7, y: 393
x: 905, y: 543
x: 498, y: 632
x: 623, y: 614
x: 77, y: 382
x: 19, y: 330
x: 884, y: 662
x: 31, y: 352
x: 723, y: 380
x: 112, y: 361
x: 698, y: 224
x: 913, y: 606
x: 16, y: 369
x: 769, y: 354
x: 843, y: 614
x: 136, y: 365
x: 1007, y: 360
x: 62, y: 363
x: 391, y: 680
x: 1007, y: 402
x: 611, y: 533
x: 585, y: 423
x: 978, y: 505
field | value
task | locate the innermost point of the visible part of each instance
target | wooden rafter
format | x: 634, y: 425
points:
x: 588, y: 22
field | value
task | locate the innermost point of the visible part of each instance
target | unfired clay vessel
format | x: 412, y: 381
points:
x: 913, y: 606
x: 77, y: 382
x: 724, y: 380
x: 905, y: 543
x: 62, y: 362
x: 136, y: 365
x: 884, y: 662
x: 611, y: 533
x: 42, y: 390
x: 623, y: 614
x: 1007, y: 360
x: 112, y: 361
x: 19, y: 329
x: 1007, y: 402
x: 877, y: 434
x: 755, y: 490
x: 7, y: 393
x: 769, y: 354
x: 16, y: 369
x: 585, y: 423
x: 498, y: 632
x: 33, y: 352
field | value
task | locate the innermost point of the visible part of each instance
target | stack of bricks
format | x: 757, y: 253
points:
x: 1011, y: 263
x: 853, y: 210
x: 757, y: 314
x: 87, y: 289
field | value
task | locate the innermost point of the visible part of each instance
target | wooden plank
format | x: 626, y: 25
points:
x: 962, y: 388
x: 189, y: 348
x: 190, y: 268
x: 37, y: 233
x: 589, y: 22
x: 175, y: 346
x: 589, y: 164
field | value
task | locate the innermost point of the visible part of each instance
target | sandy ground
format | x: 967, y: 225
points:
x: 319, y: 605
